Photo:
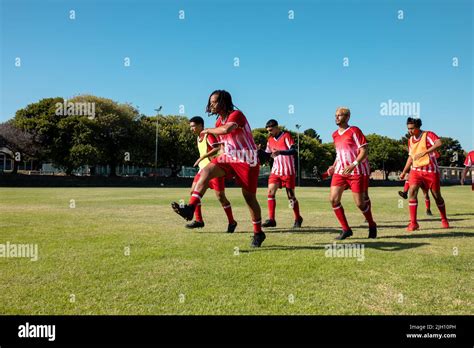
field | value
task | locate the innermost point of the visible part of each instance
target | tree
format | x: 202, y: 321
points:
x: 386, y: 154
x: 18, y: 141
x: 310, y: 132
x: 451, y: 153
x: 176, y: 143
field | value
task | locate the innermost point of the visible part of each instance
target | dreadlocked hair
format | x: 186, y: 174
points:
x: 224, y: 99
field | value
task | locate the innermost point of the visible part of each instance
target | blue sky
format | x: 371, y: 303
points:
x: 282, y: 62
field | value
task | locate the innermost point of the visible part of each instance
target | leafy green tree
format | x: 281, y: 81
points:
x: 386, y: 154
x: 310, y: 132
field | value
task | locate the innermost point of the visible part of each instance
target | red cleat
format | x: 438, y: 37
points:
x: 445, y: 223
x: 413, y: 227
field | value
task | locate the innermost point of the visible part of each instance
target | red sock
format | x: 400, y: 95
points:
x: 228, y: 212
x: 271, y: 207
x: 296, y: 208
x: 428, y: 204
x: 413, y: 205
x: 195, y: 198
x: 406, y: 186
x: 339, y: 211
x: 198, y: 213
x: 257, y: 226
x: 368, y: 214
x: 442, y: 211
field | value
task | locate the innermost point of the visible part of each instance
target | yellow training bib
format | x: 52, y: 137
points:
x: 202, y: 146
x: 419, y: 147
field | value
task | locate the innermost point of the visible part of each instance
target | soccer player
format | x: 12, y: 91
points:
x: 404, y: 195
x: 238, y: 160
x: 208, y: 147
x: 351, y: 170
x: 469, y: 162
x: 281, y: 147
x: 422, y: 147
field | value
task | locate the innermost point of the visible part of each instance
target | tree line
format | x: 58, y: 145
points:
x: 70, y: 134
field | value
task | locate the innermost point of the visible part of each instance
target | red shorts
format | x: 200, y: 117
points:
x: 357, y: 183
x: 288, y: 181
x: 245, y: 175
x: 217, y: 184
x: 429, y: 180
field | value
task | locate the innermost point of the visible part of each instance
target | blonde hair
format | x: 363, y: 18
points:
x: 345, y: 111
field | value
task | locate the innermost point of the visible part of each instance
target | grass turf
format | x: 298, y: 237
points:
x: 83, y: 266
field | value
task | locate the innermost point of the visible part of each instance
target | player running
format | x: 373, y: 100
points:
x: 351, y: 170
x: 422, y: 147
x: 239, y: 160
x: 208, y: 147
x: 281, y: 147
x: 404, y: 195
x: 469, y: 162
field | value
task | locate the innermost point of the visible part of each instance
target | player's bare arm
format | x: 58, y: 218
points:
x: 225, y: 129
x: 407, y: 167
x: 437, y: 144
x: 363, y: 153
x: 211, y: 153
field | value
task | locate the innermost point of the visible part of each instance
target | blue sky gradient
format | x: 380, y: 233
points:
x: 299, y: 62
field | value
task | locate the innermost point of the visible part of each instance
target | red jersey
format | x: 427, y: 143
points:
x: 431, y: 137
x: 347, y: 146
x: 282, y: 165
x: 239, y: 144
x: 469, y: 162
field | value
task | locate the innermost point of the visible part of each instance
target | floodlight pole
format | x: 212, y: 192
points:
x: 298, y: 126
x: 156, y: 140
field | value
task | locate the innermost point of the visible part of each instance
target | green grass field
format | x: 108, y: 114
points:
x: 83, y: 267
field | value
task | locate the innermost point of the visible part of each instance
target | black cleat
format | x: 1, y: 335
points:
x: 269, y: 223
x: 257, y: 240
x: 428, y: 212
x: 298, y: 222
x: 195, y: 224
x: 403, y: 194
x: 344, y: 234
x: 372, y: 231
x: 186, y: 211
x: 231, y: 227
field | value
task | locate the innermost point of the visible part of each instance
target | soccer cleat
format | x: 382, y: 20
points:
x: 444, y: 223
x: 257, y: 240
x: 373, y: 231
x: 428, y: 212
x: 269, y: 223
x: 344, y: 234
x: 186, y: 211
x: 298, y: 222
x: 231, y: 227
x: 413, y: 227
x: 195, y: 224
x: 403, y: 194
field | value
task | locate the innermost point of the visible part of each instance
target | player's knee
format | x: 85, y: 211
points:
x: 334, y: 201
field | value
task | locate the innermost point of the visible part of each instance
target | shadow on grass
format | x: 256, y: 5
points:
x: 414, y: 235
x: 384, y: 246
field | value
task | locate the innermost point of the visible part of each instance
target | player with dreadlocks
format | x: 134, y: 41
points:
x: 239, y: 160
x: 422, y: 147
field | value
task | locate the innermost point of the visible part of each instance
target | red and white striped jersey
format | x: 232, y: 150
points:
x: 431, y: 137
x: 239, y: 144
x: 282, y: 165
x: 347, y: 145
x: 469, y: 162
